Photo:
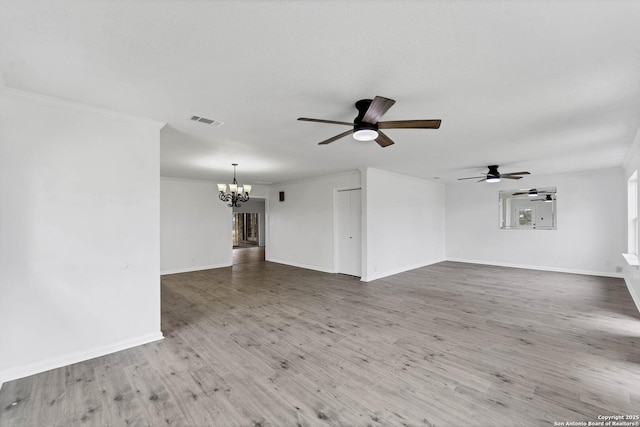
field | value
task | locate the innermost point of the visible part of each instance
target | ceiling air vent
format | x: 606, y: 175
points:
x: 207, y: 121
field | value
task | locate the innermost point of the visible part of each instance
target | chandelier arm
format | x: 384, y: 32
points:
x: 234, y: 201
x: 233, y: 196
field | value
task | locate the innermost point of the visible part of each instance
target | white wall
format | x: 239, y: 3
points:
x: 300, y: 229
x: 195, y: 226
x: 404, y: 223
x: 590, y: 231
x: 79, y: 240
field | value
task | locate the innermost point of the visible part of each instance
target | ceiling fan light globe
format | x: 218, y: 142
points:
x: 493, y: 179
x: 365, y: 135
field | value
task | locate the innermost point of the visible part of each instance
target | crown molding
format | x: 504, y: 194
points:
x: 78, y: 107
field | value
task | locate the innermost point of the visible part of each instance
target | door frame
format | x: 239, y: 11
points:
x: 266, y: 228
x: 335, y: 226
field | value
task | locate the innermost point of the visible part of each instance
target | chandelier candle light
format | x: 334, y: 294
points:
x: 237, y: 193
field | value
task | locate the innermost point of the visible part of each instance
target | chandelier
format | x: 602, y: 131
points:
x: 236, y: 193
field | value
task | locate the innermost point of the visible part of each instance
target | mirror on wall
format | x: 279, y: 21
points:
x: 528, y: 209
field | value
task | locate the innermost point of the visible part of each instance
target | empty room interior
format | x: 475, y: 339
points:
x: 319, y: 213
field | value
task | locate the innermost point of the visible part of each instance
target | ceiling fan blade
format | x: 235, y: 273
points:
x: 306, y: 119
x: 383, y: 140
x: 483, y: 179
x: 532, y: 192
x: 410, y: 124
x: 514, y: 173
x: 510, y: 177
x: 472, y: 177
x: 376, y: 109
x: 330, y: 140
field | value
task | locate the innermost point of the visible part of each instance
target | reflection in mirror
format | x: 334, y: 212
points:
x: 528, y: 208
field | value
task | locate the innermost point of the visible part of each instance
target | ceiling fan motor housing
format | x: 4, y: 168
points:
x: 364, y: 131
x: 493, y: 172
x: 364, y: 126
x: 362, y: 106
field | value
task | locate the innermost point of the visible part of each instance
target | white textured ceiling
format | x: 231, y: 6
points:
x: 542, y: 86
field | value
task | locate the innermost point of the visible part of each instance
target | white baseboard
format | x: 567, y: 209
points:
x: 71, y: 358
x: 305, y: 266
x: 189, y: 269
x: 376, y: 275
x: 364, y: 277
x: 537, y: 267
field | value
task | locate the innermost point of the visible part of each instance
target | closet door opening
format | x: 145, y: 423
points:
x: 348, y: 245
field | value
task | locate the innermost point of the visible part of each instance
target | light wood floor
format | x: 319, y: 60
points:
x: 263, y: 344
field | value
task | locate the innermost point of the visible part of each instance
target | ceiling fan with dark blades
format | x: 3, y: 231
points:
x: 547, y: 198
x: 494, y: 176
x: 531, y: 192
x: 367, y: 125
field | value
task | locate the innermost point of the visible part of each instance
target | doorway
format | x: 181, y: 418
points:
x: 248, y: 232
x: 348, y: 242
